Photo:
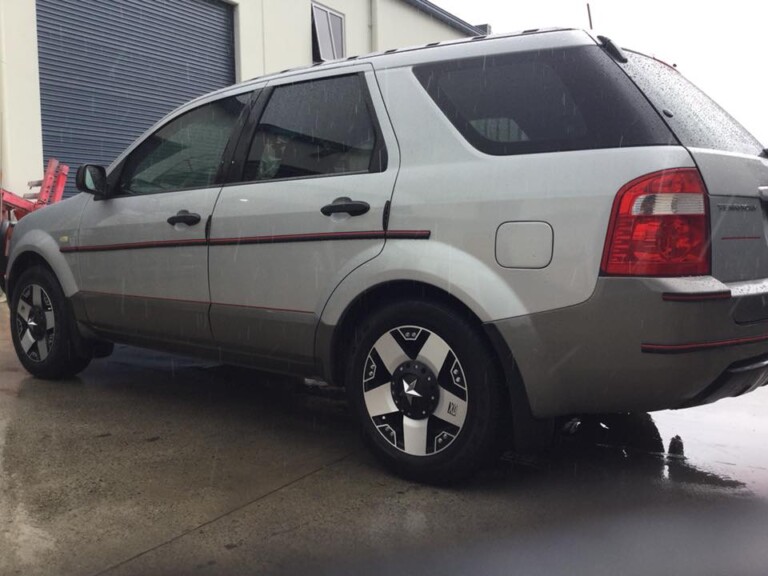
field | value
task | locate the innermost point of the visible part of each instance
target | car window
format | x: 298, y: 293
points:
x: 543, y: 101
x: 313, y: 128
x: 533, y: 94
x: 695, y: 118
x: 186, y: 152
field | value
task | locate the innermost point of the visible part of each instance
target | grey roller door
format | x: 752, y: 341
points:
x: 109, y: 70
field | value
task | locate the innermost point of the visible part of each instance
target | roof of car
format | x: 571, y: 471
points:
x: 538, y: 38
x: 385, y: 59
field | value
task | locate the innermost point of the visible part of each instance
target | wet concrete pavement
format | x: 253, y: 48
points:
x: 154, y: 464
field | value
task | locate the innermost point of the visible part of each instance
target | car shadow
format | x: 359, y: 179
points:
x: 600, y: 447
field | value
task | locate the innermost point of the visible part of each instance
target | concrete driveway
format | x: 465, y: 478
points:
x: 155, y: 464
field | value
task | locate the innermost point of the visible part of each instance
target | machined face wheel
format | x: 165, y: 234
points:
x: 43, y: 327
x: 415, y: 390
x: 35, y: 323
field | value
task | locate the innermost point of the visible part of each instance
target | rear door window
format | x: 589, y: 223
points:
x: 543, y: 101
x: 694, y: 117
x: 314, y: 128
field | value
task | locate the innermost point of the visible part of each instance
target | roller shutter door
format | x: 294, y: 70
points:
x: 109, y: 70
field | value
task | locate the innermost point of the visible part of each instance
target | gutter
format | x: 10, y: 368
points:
x: 446, y: 17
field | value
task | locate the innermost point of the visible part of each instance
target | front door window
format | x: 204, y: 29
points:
x: 185, y: 153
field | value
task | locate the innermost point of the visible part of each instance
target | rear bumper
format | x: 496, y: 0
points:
x: 643, y: 345
x: 739, y: 378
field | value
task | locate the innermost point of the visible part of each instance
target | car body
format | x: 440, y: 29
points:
x: 323, y: 196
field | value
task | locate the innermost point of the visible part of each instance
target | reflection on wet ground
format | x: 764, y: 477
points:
x: 156, y: 464
x: 631, y: 441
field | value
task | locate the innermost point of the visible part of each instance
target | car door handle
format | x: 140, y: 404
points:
x: 184, y: 217
x: 346, y: 205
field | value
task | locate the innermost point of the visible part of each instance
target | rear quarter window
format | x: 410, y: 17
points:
x: 695, y: 118
x: 544, y: 101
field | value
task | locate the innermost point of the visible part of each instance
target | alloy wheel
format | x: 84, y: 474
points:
x: 415, y: 390
x: 35, y: 323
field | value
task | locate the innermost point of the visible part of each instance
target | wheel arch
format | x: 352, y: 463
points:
x: 25, y: 261
x: 412, y: 269
x: 336, y: 339
x: 36, y: 247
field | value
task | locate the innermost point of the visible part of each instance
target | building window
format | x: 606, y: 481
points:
x: 327, y: 34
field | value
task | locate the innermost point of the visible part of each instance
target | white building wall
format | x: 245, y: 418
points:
x: 398, y: 25
x: 270, y: 35
x: 21, y: 138
x: 277, y: 34
x: 249, y: 46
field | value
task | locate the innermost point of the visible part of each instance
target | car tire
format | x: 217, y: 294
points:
x: 426, y: 390
x: 43, y: 327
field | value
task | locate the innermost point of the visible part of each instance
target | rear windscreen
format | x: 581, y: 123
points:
x: 695, y: 119
x: 544, y: 101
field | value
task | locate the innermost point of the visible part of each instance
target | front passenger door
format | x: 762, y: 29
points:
x: 143, y: 252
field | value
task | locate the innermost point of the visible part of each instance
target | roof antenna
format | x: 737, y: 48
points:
x: 589, y: 13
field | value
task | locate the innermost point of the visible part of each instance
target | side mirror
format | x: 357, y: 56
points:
x: 92, y: 179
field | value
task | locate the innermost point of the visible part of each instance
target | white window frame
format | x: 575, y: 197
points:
x: 328, y: 11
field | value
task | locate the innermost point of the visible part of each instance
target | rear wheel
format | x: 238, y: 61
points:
x: 42, y: 327
x: 426, y: 390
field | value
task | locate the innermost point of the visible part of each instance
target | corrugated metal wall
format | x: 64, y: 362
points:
x: 111, y: 69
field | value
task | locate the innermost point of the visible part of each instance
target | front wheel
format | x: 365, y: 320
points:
x: 42, y: 327
x: 426, y: 391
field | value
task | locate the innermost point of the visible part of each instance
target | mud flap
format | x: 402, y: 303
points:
x: 530, y: 435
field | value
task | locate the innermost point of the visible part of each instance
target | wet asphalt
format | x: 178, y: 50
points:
x: 156, y: 464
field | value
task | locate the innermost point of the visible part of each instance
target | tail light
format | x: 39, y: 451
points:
x: 659, y: 227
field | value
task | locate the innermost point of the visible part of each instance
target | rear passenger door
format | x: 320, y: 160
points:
x: 305, y: 206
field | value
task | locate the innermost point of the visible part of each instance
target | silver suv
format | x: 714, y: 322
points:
x: 466, y: 235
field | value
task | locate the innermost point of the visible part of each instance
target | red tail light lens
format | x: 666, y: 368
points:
x: 659, y: 227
